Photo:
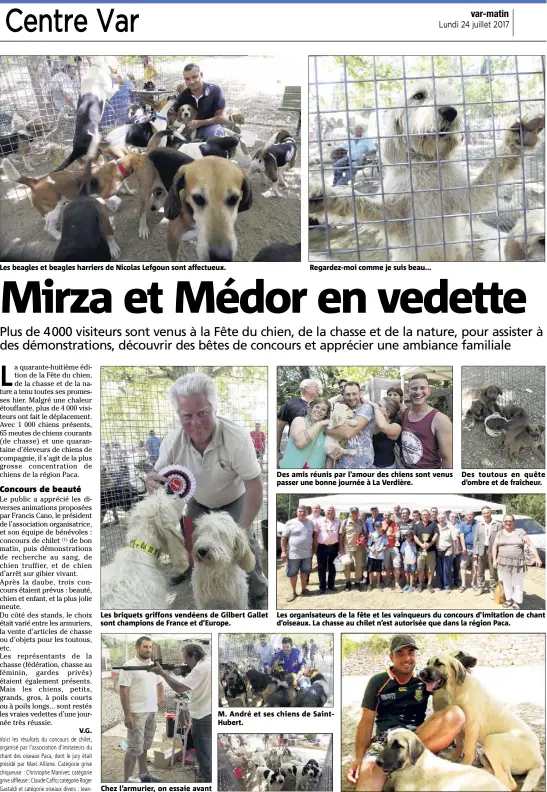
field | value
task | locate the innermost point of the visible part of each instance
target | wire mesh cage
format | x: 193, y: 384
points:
x: 136, y: 414
x: 520, y: 385
x: 241, y: 651
x: 237, y: 769
x: 427, y: 158
x: 120, y: 649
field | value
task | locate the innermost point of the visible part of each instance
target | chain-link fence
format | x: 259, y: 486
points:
x: 242, y: 651
x: 119, y: 649
x: 136, y: 415
x: 427, y: 158
x: 520, y: 385
x: 235, y: 774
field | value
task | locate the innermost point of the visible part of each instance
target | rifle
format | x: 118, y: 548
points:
x: 165, y: 666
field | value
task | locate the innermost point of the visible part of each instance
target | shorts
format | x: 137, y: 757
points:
x: 410, y: 567
x: 374, y: 564
x: 426, y: 560
x: 296, y: 565
x: 392, y: 558
x: 141, y: 737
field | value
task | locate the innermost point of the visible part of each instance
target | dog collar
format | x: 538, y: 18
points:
x: 138, y: 544
x: 122, y: 170
x: 161, y: 118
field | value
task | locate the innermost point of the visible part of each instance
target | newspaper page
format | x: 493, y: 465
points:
x: 272, y: 393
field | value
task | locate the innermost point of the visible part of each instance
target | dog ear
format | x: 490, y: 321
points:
x: 394, y: 149
x: 173, y: 205
x: 244, y: 556
x: 514, y: 249
x: 460, y: 672
x: 415, y: 748
x: 466, y: 660
x: 246, y: 196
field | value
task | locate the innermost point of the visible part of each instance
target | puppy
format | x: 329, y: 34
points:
x: 316, y: 695
x: 509, y: 744
x: 207, y: 195
x: 97, y: 88
x: 262, y: 685
x: 186, y: 114
x: 413, y: 768
x: 340, y: 416
x: 266, y: 779
x: 477, y: 412
x: 284, y: 694
x: 489, y: 397
x: 532, y: 438
x: 235, y: 689
x: 275, y: 157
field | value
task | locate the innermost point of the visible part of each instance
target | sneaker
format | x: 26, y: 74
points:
x: 368, y: 588
x: 381, y: 586
x: 439, y: 589
x: 507, y: 604
x: 419, y: 589
x: 348, y: 585
x: 515, y: 606
x: 462, y: 589
x: 322, y: 591
x: 397, y: 587
x: 148, y: 778
x: 447, y: 591
x: 478, y: 592
x: 410, y: 589
x: 406, y: 588
x: 358, y: 586
x: 431, y: 589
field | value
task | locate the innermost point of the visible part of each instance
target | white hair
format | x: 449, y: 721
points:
x: 307, y: 382
x: 191, y: 385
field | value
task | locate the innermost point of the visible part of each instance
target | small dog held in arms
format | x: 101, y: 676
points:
x: 428, y: 194
x: 135, y: 579
x: 342, y: 415
x: 222, y: 559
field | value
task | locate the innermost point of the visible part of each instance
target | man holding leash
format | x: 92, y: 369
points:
x: 397, y: 698
x: 198, y: 687
x: 222, y: 457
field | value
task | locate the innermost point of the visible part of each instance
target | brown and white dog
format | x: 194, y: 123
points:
x: 206, y: 196
x: 275, y: 157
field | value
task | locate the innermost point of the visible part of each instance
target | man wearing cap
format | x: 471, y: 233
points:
x: 397, y: 698
x: 352, y: 543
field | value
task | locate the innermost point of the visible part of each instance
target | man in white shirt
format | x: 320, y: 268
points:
x: 222, y: 457
x: 483, y: 544
x: 264, y: 650
x: 140, y: 695
x: 198, y: 687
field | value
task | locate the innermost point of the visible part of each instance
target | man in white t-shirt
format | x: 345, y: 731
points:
x: 198, y: 687
x: 140, y: 695
x: 222, y: 457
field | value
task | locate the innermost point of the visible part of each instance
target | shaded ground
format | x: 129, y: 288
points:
x: 508, y: 679
x: 523, y: 385
x: 112, y: 757
x: 388, y: 599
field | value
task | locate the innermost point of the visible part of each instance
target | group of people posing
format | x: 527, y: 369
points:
x: 381, y: 435
x: 408, y: 551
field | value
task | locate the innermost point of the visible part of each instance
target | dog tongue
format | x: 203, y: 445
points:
x: 430, y: 687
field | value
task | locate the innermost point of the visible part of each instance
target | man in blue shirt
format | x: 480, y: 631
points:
x: 289, y: 657
x: 153, y: 447
x: 467, y: 537
x: 359, y: 145
x: 206, y: 98
x: 370, y: 521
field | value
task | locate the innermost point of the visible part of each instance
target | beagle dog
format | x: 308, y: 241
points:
x: 96, y: 89
x: 50, y: 193
x: 277, y: 155
x: 186, y: 114
x: 207, y: 196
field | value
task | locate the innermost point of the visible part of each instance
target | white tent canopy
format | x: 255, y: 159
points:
x: 459, y: 503
x: 432, y: 372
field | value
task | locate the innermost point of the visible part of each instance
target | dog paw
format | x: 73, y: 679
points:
x: 144, y: 232
x: 114, y: 248
x: 526, y: 131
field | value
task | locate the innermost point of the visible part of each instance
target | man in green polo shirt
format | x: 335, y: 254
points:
x: 396, y: 698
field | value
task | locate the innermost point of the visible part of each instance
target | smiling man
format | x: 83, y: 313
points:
x: 359, y: 437
x: 206, y: 98
x: 397, y: 698
x: 426, y: 439
x: 222, y: 457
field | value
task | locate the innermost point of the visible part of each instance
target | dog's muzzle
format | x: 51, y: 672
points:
x: 202, y: 553
x: 448, y: 113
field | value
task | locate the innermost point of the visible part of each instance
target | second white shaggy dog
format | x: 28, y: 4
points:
x: 135, y: 579
x: 222, y: 560
x: 422, y: 221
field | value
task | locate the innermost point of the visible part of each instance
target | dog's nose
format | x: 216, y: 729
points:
x: 379, y: 762
x: 448, y: 113
x: 202, y: 552
x: 220, y: 253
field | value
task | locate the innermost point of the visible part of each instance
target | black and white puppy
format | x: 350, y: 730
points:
x: 228, y: 147
x: 97, y: 88
x: 275, y: 157
x: 268, y: 779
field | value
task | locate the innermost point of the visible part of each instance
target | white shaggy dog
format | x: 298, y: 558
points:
x: 342, y: 415
x: 527, y: 244
x: 222, y: 559
x: 420, y: 135
x: 135, y: 578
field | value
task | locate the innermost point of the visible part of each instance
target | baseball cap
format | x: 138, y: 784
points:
x: 400, y: 641
x: 354, y: 508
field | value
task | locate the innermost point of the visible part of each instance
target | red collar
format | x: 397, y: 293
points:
x: 122, y: 170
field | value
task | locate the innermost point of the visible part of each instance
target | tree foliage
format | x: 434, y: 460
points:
x: 290, y: 377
